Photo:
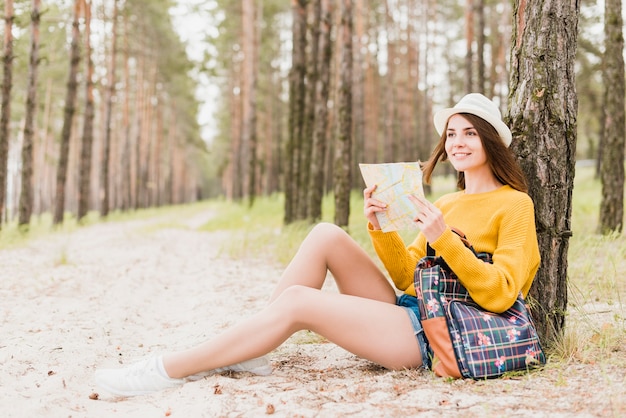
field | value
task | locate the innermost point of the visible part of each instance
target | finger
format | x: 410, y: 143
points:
x: 417, y: 202
x: 424, y: 204
x: 367, y: 192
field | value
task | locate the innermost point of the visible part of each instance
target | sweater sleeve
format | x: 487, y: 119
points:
x: 399, y: 260
x: 515, y: 258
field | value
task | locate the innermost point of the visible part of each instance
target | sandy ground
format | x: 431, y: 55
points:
x: 109, y: 294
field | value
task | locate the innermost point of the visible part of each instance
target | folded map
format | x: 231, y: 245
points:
x: 394, y: 183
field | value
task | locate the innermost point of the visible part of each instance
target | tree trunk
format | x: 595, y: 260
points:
x: 390, y: 137
x: 306, y: 145
x: 358, y: 91
x: 542, y: 117
x: 7, y: 85
x: 612, y: 166
x: 320, y: 138
x: 469, y: 41
x: 480, y: 47
x: 68, y: 118
x: 106, y: 155
x: 249, y: 70
x: 127, y: 159
x: 296, y: 109
x: 84, y: 190
x: 26, y: 196
x: 343, y: 160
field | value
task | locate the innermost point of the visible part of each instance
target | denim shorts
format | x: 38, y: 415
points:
x: 409, y: 303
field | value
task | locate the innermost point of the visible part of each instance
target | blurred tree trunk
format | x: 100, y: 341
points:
x: 371, y: 95
x: 250, y: 29
x: 147, y: 133
x: 612, y: 166
x: 84, y: 181
x: 7, y: 85
x: 414, y: 103
x: 139, y: 122
x: 542, y: 116
x: 43, y: 200
x: 422, y: 107
x: 480, y: 47
x: 499, y: 26
x: 297, y: 90
x: 320, y: 132
x: 343, y: 160
x: 306, y: 145
x: 106, y: 154
x: 127, y: 143
x: 26, y: 196
x: 390, y: 123
x: 231, y: 178
x: 68, y: 118
x: 469, y: 41
x: 358, y: 92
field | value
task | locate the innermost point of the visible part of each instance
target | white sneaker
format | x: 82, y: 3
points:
x: 146, y: 376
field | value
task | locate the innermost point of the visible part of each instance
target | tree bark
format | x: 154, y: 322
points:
x: 480, y: 47
x: 612, y: 166
x: 106, y: 155
x: 297, y: 77
x: 249, y: 117
x: 306, y: 146
x: 343, y: 160
x: 390, y: 122
x: 84, y: 181
x: 68, y: 119
x: 7, y: 85
x: 469, y: 41
x: 26, y: 196
x: 320, y: 137
x: 542, y: 116
x: 127, y: 156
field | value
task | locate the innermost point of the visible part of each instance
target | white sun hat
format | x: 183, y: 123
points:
x: 479, y: 105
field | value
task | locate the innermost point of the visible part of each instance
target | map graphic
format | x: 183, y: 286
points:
x: 395, y: 182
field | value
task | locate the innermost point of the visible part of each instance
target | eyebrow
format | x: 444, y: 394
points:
x: 462, y: 129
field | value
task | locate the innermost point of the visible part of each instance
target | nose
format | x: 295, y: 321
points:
x: 457, y: 140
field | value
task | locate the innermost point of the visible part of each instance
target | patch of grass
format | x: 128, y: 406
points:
x: 596, y: 317
x: 307, y: 337
x: 62, y: 259
x: 12, y: 235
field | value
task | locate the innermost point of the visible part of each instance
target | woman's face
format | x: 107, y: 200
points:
x: 463, y: 145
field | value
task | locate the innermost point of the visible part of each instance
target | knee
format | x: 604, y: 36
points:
x: 293, y: 300
x: 328, y: 231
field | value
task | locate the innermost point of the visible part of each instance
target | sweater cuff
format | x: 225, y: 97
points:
x: 447, y: 242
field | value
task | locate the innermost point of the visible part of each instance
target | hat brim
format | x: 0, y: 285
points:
x: 441, y: 118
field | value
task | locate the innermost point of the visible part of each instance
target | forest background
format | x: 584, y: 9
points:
x: 135, y: 93
x: 101, y: 105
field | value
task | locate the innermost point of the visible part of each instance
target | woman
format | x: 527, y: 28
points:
x: 367, y: 318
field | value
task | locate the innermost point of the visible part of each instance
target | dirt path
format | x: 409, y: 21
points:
x: 114, y: 292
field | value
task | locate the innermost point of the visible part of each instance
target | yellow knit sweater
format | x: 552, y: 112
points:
x: 500, y: 222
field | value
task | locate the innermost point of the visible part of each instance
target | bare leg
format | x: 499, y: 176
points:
x: 375, y: 330
x: 369, y: 325
x: 330, y: 248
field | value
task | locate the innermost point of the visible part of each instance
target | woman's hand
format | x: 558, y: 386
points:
x: 371, y: 206
x: 429, y: 218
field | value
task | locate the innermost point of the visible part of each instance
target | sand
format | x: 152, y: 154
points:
x: 109, y: 294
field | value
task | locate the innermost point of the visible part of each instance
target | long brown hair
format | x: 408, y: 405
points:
x: 499, y: 157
